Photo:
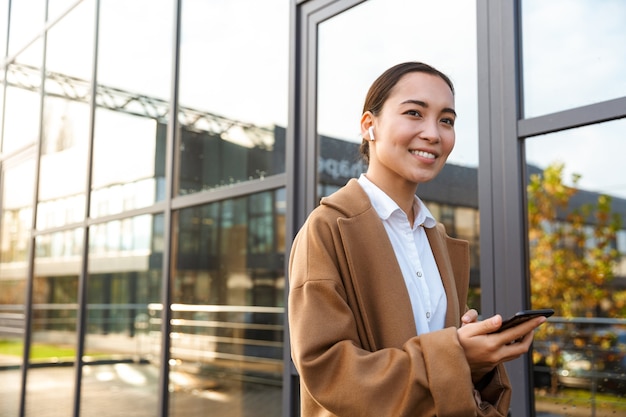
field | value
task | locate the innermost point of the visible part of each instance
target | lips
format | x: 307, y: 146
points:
x: 423, y: 154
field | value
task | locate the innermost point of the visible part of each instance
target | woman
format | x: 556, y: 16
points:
x: 377, y: 302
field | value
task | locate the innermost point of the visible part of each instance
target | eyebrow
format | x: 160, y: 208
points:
x: 424, y: 104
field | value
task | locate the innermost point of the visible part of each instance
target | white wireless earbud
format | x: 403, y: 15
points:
x: 371, y: 130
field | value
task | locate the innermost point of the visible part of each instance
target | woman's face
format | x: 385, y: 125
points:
x: 414, y: 132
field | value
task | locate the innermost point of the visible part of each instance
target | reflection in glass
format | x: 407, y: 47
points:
x: 128, y: 166
x: 54, y: 320
x: 57, y: 7
x: 233, y: 92
x: 122, y: 344
x: 21, y: 117
x: 4, y: 16
x: 577, y: 209
x: 15, y: 226
x: 63, y: 163
x: 17, y: 200
x: 131, y: 117
x: 2, y: 91
x: 65, y: 132
x: 134, y: 49
x: 70, y: 47
x: 227, y: 325
x: 12, y: 314
x: 27, y: 17
x: 210, y: 160
x: 575, y: 60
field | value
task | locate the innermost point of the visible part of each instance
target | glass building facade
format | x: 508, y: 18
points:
x: 158, y: 156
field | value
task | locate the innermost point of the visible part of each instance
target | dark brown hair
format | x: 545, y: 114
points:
x: 381, y: 89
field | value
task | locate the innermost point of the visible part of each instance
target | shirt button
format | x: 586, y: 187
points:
x: 419, y: 274
x: 428, y: 315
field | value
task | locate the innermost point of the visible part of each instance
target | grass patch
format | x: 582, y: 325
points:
x: 37, y: 351
x: 579, y: 397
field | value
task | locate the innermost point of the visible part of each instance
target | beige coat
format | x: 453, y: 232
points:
x: 353, y: 337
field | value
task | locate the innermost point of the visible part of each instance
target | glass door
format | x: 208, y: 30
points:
x: 344, y: 45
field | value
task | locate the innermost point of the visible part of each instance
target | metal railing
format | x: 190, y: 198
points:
x: 244, y: 341
x: 586, y: 354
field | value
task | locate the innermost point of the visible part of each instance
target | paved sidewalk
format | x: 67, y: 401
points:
x: 130, y: 390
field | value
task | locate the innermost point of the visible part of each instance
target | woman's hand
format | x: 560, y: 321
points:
x: 484, y: 349
x: 470, y: 316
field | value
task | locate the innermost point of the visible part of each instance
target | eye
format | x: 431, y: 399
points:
x: 448, y: 121
x: 414, y: 113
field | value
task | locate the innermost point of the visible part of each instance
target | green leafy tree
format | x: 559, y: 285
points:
x: 572, y: 253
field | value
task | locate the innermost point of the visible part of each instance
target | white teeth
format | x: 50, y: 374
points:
x: 424, y: 154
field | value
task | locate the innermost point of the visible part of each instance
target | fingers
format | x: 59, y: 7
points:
x: 470, y: 316
x: 517, y: 348
x: 492, y: 323
x: 477, y: 328
x: 484, y: 349
x: 521, y: 330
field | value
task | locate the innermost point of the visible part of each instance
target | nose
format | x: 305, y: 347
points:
x: 430, y: 131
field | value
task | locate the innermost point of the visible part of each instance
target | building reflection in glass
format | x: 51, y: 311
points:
x: 578, y: 264
x: 125, y: 258
x: 54, y: 316
x: 227, y: 327
x: 15, y: 227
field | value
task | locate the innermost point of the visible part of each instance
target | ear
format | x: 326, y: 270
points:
x: 367, y: 121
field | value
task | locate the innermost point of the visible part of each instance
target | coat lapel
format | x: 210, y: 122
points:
x: 377, y: 281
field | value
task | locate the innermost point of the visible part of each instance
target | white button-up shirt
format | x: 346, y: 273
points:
x: 415, y: 257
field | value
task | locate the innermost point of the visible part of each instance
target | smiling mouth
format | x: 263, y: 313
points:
x: 424, y: 154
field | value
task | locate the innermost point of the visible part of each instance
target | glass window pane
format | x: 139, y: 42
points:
x: 12, y: 315
x: 17, y: 200
x: 63, y: 170
x: 70, y: 50
x: 57, y: 7
x: 135, y: 46
x: 27, y: 21
x: 2, y: 93
x: 4, y: 24
x: 122, y: 331
x: 50, y: 387
x: 227, y: 328
x: 391, y: 38
x: 233, y: 92
x: 133, y: 88
x: 576, y: 226
x: 21, y: 124
x: 575, y: 59
x: 132, y: 178
x: 344, y: 80
x: 15, y: 227
x: 22, y: 106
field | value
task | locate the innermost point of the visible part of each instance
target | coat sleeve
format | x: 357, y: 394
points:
x: 427, y: 376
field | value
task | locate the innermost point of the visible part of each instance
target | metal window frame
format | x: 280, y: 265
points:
x: 503, y: 204
x: 503, y: 263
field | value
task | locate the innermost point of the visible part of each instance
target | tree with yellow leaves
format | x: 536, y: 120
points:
x: 572, y: 251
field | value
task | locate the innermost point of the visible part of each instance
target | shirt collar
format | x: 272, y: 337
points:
x: 385, y: 206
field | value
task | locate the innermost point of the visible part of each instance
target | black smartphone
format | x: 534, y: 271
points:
x: 522, y: 316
